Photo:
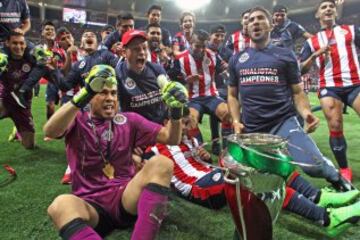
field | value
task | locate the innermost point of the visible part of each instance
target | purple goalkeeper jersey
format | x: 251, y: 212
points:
x: 129, y: 130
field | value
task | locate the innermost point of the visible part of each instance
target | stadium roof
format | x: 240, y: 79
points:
x: 215, y: 10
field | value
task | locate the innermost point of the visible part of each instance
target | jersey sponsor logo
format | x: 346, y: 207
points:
x: 82, y: 65
x: 343, y: 31
x: 323, y: 92
x: 107, y: 135
x: 119, y: 119
x: 244, y: 57
x: 130, y: 84
x: 26, y: 68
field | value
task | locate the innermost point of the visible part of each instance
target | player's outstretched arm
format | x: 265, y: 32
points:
x: 234, y: 108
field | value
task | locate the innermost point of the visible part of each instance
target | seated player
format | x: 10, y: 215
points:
x: 199, y: 182
x: 15, y: 67
x: 106, y: 193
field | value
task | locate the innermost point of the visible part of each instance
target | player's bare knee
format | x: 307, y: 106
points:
x: 161, y: 165
x: 58, y: 206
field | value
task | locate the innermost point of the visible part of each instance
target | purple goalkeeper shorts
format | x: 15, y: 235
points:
x: 21, y: 117
x: 109, y: 207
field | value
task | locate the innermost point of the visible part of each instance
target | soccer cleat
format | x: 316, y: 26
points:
x: 342, y: 185
x: 342, y: 218
x: 329, y: 198
x: 346, y: 173
x: 66, y: 179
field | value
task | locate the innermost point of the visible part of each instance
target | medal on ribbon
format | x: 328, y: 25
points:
x: 108, y: 170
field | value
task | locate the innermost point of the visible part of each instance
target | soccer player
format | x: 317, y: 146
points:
x: 137, y: 78
x: 334, y: 51
x: 154, y: 16
x: 181, y: 41
x: 199, y: 67
x: 79, y: 70
x: 125, y: 22
x: 106, y: 193
x: 268, y: 80
x: 14, y: 16
x: 158, y: 53
x: 18, y: 69
x: 104, y: 33
x: 285, y: 31
x: 240, y: 40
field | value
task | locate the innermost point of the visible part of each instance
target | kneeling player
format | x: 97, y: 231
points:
x: 12, y: 76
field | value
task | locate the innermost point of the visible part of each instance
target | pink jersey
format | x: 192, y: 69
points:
x: 206, y: 68
x: 341, y: 67
x: 129, y: 130
x: 238, y: 42
x: 187, y: 168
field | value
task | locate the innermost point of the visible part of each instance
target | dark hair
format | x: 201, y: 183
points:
x: 184, y: 14
x: 279, y: 8
x: 154, y: 7
x: 14, y: 34
x: 47, y: 23
x: 62, y: 30
x: 124, y: 16
x: 150, y: 25
x: 322, y: 1
x: 245, y: 12
x: 262, y: 9
x: 200, y: 35
x: 217, y: 28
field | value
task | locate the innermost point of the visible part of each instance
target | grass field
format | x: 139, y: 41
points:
x: 23, y: 203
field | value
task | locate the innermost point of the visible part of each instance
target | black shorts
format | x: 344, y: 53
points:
x: 345, y: 94
x: 106, y: 225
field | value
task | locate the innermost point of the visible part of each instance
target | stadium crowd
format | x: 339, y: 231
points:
x: 132, y: 135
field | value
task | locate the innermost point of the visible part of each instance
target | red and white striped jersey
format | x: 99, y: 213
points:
x: 206, y: 68
x: 187, y: 169
x: 153, y: 57
x: 238, y: 42
x: 341, y: 67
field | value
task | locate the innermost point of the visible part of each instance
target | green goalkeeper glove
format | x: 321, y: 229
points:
x: 174, y: 94
x: 100, y: 76
x: 41, y: 54
x: 3, y: 62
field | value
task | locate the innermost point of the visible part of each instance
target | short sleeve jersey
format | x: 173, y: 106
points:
x: 128, y: 130
x: 263, y: 78
x: 140, y: 93
x: 12, y: 13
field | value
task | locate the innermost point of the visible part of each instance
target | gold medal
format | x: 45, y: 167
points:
x: 108, y: 170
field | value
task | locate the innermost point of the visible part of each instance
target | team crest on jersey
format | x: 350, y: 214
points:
x: 119, y: 119
x: 323, y: 92
x: 82, y: 65
x: 207, y: 61
x: 26, y: 68
x: 244, y: 57
x: 130, y: 84
x: 216, y: 177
